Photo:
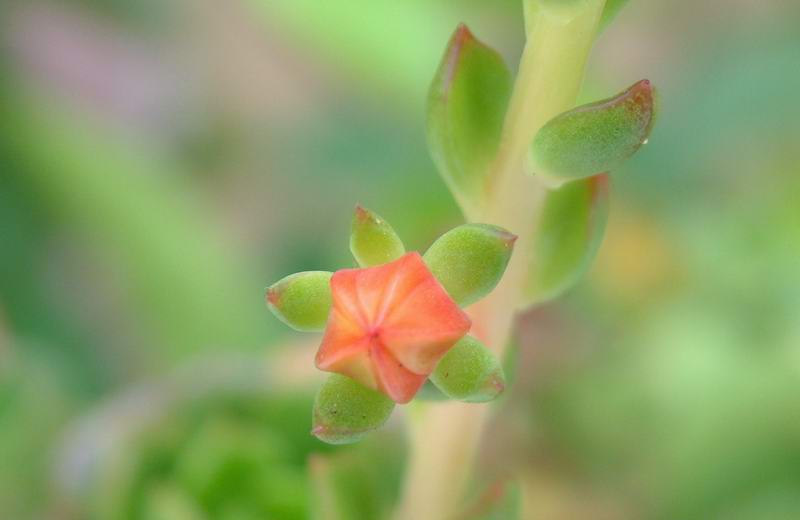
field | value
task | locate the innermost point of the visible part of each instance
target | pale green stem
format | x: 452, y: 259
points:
x: 445, y: 436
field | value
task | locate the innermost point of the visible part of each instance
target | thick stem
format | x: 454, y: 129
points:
x: 445, y: 436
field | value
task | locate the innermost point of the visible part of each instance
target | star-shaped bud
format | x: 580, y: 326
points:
x: 389, y: 326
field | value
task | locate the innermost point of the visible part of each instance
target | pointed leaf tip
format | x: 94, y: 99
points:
x: 372, y: 240
x: 470, y: 372
x: 470, y: 260
x: 302, y: 300
x: 345, y: 411
x: 466, y: 107
x: 595, y: 138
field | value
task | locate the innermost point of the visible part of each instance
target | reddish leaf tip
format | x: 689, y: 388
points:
x: 362, y: 213
x: 316, y: 431
x: 273, y: 296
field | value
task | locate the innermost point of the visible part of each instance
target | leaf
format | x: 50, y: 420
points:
x: 345, y: 410
x: 567, y: 237
x: 466, y: 107
x: 372, y: 239
x: 302, y: 300
x: 469, y: 372
x: 594, y: 138
x: 611, y: 10
x: 470, y: 260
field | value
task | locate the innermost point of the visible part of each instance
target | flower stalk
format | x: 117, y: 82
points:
x: 445, y: 436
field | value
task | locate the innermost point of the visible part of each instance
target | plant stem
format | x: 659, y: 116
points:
x: 445, y: 436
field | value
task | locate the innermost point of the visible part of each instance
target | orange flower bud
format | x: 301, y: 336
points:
x: 389, y: 326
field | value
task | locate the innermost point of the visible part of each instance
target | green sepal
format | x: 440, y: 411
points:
x: 594, y: 138
x: 302, y: 300
x: 345, y: 410
x: 372, y: 239
x: 469, y: 372
x: 567, y: 237
x: 467, y: 102
x: 469, y: 260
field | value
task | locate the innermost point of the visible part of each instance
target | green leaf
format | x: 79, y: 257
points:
x: 469, y: 260
x: 302, y: 300
x: 594, y: 138
x: 567, y: 237
x: 372, y: 239
x: 466, y: 108
x: 345, y: 410
x: 469, y: 372
x: 612, y: 8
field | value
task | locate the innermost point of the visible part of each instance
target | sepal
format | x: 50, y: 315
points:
x: 372, y: 239
x: 567, y: 237
x: 345, y: 410
x: 469, y: 372
x: 594, y: 138
x: 302, y: 300
x: 467, y: 102
x: 470, y: 260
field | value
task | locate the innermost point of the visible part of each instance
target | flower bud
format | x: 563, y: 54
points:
x: 372, y: 239
x: 469, y: 372
x: 594, y: 138
x: 466, y: 107
x: 567, y: 237
x: 345, y: 410
x: 470, y: 260
x: 302, y: 300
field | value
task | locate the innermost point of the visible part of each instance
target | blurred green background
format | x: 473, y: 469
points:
x: 162, y: 162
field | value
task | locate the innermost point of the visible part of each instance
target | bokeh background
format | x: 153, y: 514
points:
x: 161, y: 162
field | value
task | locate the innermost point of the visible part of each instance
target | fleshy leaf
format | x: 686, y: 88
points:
x: 389, y: 326
x: 345, y: 410
x: 372, y: 239
x: 469, y: 260
x: 594, y: 138
x: 466, y: 107
x: 469, y: 372
x: 302, y: 300
x: 610, y: 11
x: 567, y: 237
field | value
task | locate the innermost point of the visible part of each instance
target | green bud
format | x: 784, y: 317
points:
x: 594, y: 138
x: 567, y: 237
x: 466, y: 108
x: 469, y: 372
x: 469, y: 260
x: 345, y: 410
x: 372, y: 239
x: 302, y: 300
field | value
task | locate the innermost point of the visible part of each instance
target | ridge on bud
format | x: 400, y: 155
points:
x: 466, y: 107
x: 470, y: 260
x: 469, y: 372
x: 302, y: 300
x: 372, y: 239
x: 567, y: 237
x: 389, y: 326
x: 594, y: 138
x: 345, y: 410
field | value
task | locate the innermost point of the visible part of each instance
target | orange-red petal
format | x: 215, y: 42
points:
x: 389, y: 326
